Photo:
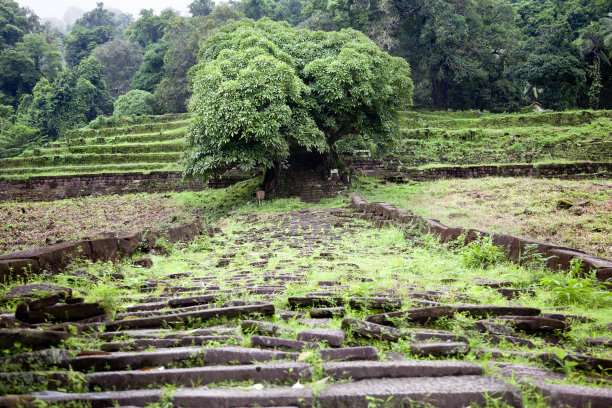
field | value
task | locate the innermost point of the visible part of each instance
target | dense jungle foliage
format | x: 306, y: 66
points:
x: 495, y: 55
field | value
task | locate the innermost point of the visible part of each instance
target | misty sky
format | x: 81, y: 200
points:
x: 57, y: 8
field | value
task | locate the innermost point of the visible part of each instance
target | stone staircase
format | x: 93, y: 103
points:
x: 241, y: 352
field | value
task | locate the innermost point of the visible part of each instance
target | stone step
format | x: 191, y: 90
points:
x: 265, y: 309
x: 201, y: 397
x: 142, y: 344
x: 186, y: 377
x: 163, y: 357
x: 360, y: 370
x: 561, y: 396
x: 441, y: 392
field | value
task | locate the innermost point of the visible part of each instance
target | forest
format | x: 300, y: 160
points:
x: 487, y: 55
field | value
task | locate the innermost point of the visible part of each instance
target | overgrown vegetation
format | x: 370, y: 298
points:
x: 517, y: 206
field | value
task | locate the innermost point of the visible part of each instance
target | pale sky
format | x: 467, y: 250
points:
x: 57, y: 8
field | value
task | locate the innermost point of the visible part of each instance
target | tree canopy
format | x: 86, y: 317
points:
x: 262, y: 88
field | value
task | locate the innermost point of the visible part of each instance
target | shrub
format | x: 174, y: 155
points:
x: 483, y: 253
x: 134, y: 103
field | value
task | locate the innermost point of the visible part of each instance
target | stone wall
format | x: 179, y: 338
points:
x: 48, y: 188
x: 393, y: 170
x: 559, y: 257
x: 55, y: 257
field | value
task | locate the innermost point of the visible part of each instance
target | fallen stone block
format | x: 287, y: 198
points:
x: 480, y: 311
x: 186, y: 397
x: 264, y: 328
x: 64, y: 313
x: 314, y: 301
x: 31, y: 338
x: 361, y: 328
x: 334, y: 338
x: 562, y: 396
x: 327, y: 312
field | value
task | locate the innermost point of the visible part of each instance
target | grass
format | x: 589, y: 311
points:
x: 469, y: 138
x: 517, y: 206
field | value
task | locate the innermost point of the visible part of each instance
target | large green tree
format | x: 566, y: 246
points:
x: 121, y: 60
x: 264, y: 90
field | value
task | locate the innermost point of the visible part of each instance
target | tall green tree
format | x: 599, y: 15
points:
x: 201, y: 7
x: 263, y: 90
x: 15, y: 22
x: 121, y: 60
x: 151, y: 71
x: 82, y: 41
x: 18, y: 74
x: 44, y: 53
x: 76, y: 97
x: 149, y: 28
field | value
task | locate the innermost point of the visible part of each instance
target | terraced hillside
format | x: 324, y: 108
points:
x: 466, y: 138
x: 429, y: 139
x: 154, y: 145
x: 307, y: 308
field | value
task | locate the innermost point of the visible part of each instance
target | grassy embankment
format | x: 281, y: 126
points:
x: 467, y: 138
x: 517, y: 206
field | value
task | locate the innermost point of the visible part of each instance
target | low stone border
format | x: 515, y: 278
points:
x: 392, y: 169
x: 49, y: 188
x: 559, y: 256
x: 55, y: 257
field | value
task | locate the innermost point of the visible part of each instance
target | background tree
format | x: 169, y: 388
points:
x: 183, y: 37
x: 15, y: 22
x: 18, y: 75
x: 201, y: 7
x: 150, y: 73
x: 149, y: 28
x: 76, y: 97
x: 264, y: 91
x: 44, y: 53
x: 121, y: 60
x: 81, y: 42
x: 98, y: 17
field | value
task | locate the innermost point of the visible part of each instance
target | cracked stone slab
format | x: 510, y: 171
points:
x: 142, y: 344
x: 327, y: 312
x: 385, y: 304
x: 442, y: 392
